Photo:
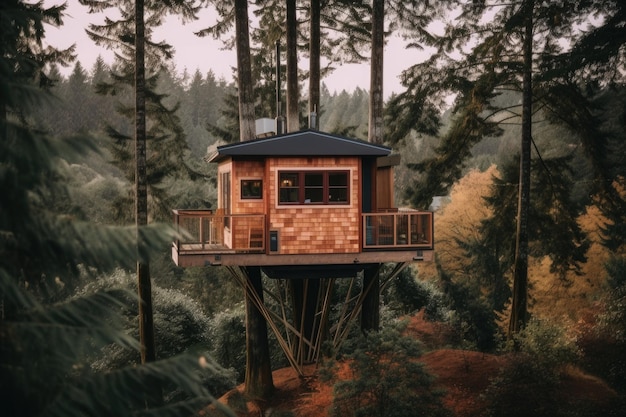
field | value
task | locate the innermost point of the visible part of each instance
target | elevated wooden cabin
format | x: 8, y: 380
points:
x: 305, y: 208
x: 304, y: 201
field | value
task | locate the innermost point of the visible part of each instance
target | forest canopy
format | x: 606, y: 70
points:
x: 538, y: 97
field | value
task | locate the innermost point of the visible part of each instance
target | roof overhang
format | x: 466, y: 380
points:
x: 302, y: 143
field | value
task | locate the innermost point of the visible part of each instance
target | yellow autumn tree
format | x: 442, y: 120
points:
x: 459, y: 220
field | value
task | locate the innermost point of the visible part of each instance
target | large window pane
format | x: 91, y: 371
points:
x: 314, y: 195
x: 288, y: 195
x: 313, y: 187
x: 336, y: 179
x: 251, y: 189
x: 314, y: 179
x: 289, y: 179
x: 289, y: 189
x: 337, y: 195
x: 338, y: 187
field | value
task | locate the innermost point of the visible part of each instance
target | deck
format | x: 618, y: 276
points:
x: 208, y: 238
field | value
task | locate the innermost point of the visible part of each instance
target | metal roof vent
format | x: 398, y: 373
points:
x: 265, y: 127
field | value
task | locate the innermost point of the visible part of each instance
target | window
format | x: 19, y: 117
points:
x: 313, y: 187
x: 251, y: 189
x: 338, y: 186
x: 289, y: 187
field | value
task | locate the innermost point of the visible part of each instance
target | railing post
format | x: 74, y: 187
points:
x: 177, y: 223
x: 201, y: 231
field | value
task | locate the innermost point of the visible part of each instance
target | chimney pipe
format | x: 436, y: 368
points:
x: 280, y: 120
x: 313, y: 118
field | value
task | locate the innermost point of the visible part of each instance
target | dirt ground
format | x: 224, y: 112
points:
x: 464, y: 375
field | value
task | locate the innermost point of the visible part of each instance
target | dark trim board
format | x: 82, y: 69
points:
x: 314, y: 271
x: 199, y: 258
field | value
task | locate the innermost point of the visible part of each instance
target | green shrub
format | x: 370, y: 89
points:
x: 407, y: 294
x: 547, y: 344
x: 388, y: 379
x: 472, y: 316
x: 615, y: 316
x: 604, y: 346
x: 228, y: 334
x: 529, y: 384
x: 524, y: 388
x: 180, y: 327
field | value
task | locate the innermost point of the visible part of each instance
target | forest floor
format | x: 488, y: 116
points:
x: 463, y: 375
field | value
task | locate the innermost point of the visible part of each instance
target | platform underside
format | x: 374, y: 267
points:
x: 186, y: 258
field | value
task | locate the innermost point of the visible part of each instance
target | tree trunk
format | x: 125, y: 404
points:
x: 144, y: 288
x: 375, y: 133
x: 304, y: 294
x: 293, y: 117
x: 259, y: 382
x: 152, y: 391
x: 247, y: 128
x: 258, y: 378
x: 314, y: 66
x: 519, y: 312
x: 370, y: 311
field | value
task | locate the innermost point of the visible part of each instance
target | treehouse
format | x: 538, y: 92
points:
x: 306, y: 201
x: 305, y: 209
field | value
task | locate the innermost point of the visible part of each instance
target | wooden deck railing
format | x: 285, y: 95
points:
x: 206, y: 231
x: 400, y: 229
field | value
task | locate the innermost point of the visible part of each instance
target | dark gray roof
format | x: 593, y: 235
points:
x: 302, y: 143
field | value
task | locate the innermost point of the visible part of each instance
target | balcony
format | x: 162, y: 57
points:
x: 209, y: 232
x: 213, y: 238
x: 398, y: 230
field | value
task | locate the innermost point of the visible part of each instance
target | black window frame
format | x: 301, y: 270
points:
x: 242, y: 188
x: 306, y: 191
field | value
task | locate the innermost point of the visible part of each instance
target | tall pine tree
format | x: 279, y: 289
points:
x: 497, y: 46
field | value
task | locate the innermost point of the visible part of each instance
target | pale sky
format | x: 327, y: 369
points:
x: 193, y: 52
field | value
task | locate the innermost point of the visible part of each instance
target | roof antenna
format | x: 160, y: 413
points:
x: 280, y: 120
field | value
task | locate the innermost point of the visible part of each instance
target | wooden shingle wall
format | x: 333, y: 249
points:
x: 247, y: 169
x: 315, y: 229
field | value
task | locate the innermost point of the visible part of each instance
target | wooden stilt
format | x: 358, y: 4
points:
x: 301, y: 341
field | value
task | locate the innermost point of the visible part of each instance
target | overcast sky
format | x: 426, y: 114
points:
x: 206, y: 54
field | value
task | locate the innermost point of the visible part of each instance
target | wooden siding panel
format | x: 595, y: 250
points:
x: 247, y: 169
x: 315, y: 229
x: 384, y: 188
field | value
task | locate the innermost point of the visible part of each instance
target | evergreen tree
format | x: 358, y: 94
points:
x: 314, y: 61
x: 387, y: 378
x: 78, y: 95
x: 513, y: 50
x: 293, y: 90
x: 200, y: 109
x: 166, y: 143
x: 46, y: 339
x: 104, y: 106
x: 148, y: 166
x: 25, y: 153
x: 227, y: 127
x: 370, y: 313
x: 55, y: 112
x: 258, y: 378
